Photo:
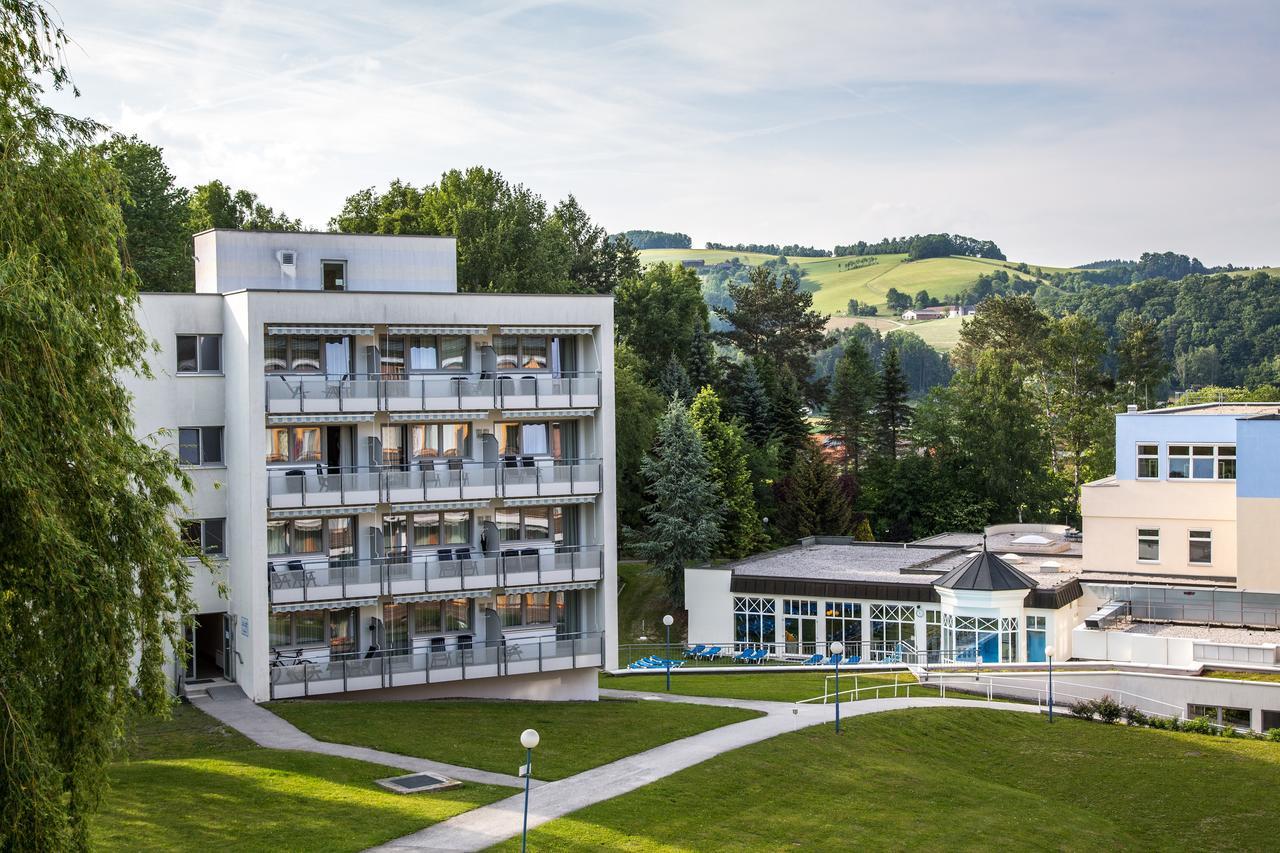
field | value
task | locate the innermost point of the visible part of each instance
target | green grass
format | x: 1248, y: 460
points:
x: 773, y: 687
x: 191, y: 784
x: 576, y: 736
x: 1239, y: 675
x: 642, y: 602
x: 948, y: 779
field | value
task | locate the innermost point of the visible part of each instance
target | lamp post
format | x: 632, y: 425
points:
x: 837, y: 649
x: 528, y: 739
x: 1049, y: 654
x: 667, y: 620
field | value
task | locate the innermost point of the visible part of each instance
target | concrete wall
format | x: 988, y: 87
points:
x: 1134, y: 428
x: 710, y: 605
x: 1113, y: 511
x: 228, y: 260
x: 571, y: 685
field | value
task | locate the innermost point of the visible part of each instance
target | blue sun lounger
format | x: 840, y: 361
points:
x: 813, y: 660
x: 695, y: 651
x: 709, y: 654
x: 835, y: 659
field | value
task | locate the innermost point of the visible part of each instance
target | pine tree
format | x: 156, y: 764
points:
x: 701, y: 364
x: 684, y: 509
x: 790, y: 429
x: 741, y: 531
x: 811, y: 501
x: 752, y: 405
x: 853, y: 391
x: 893, y: 415
x: 674, y: 382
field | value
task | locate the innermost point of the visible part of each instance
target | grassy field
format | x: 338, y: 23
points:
x: 773, y: 687
x: 942, y: 277
x: 191, y: 784
x: 949, y: 779
x: 576, y: 736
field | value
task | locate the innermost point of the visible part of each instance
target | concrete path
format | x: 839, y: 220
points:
x: 266, y: 729
x: 491, y: 824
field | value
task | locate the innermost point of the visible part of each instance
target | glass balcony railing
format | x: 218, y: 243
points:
x: 320, y: 394
x: 428, y: 663
x: 292, y: 580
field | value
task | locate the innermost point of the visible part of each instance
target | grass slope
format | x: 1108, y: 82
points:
x: 942, y: 277
x: 949, y: 779
x: 576, y: 736
x: 191, y: 784
x: 642, y: 602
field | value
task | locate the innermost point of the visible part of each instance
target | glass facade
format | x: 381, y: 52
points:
x: 892, y: 624
x: 754, y: 621
x: 844, y: 623
x: 982, y: 639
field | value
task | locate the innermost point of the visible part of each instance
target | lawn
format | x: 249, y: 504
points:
x: 191, y: 784
x: 947, y: 779
x: 576, y: 736
x: 774, y: 687
x: 1240, y: 675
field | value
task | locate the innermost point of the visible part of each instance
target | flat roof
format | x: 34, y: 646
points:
x: 1245, y: 409
x: 1208, y: 633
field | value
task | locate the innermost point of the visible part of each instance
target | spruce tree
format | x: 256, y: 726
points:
x: 849, y: 408
x: 741, y: 531
x: 893, y: 415
x: 751, y: 404
x: 684, y: 509
x: 701, y: 364
x: 811, y: 501
x: 674, y: 381
x: 789, y: 426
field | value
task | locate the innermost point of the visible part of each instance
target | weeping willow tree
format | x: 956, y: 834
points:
x: 91, y: 566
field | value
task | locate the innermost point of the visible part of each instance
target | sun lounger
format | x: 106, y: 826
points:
x: 745, y: 656
x: 761, y: 656
x: 853, y: 660
x: 813, y: 660
x: 834, y: 659
x: 709, y: 654
x: 695, y: 651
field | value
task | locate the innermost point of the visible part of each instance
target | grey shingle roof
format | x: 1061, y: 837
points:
x: 985, y: 571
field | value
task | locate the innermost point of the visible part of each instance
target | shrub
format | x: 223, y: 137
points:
x: 1274, y: 735
x: 1082, y: 709
x: 1200, y: 726
x: 1134, y: 717
x: 1107, y: 709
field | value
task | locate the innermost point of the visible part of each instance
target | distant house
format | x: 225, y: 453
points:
x: 693, y: 264
x: 938, y: 312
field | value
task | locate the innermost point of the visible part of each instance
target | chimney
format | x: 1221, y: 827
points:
x: 1133, y: 407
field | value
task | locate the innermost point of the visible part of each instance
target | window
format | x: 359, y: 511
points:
x: 307, y: 354
x: 531, y: 524
x: 200, y: 445
x: 892, y: 624
x: 426, y: 531
x: 844, y: 623
x: 1236, y: 718
x: 402, y: 354
x: 988, y: 639
x: 293, y: 444
x: 1202, y: 462
x: 337, y: 628
x: 1149, y: 545
x: 531, y: 608
x: 527, y: 352
x: 1200, y: 547
x: 753, y: 621
x: 532, y: 439
x: 424, y: 441
x: 307, y: 536
x: 334, y: 274
x: 933, y: 635
x: 207, y: 535
x: 1148, y: 461
x: 1037, y: 639
x: 452, y: 615
x: 199, y: 353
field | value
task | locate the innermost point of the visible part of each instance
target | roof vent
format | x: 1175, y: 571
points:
x: 1132, y: 407
x: 1050, y: 567
x: 1032, y: 539
x: 1011, y: 558
x: 287, y: 257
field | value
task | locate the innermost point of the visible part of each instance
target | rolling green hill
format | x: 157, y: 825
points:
x: 942, y: 277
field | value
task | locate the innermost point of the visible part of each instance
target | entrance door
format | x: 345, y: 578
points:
x: 229, y: 624
x: 801, y: 635
x: 208, y: 647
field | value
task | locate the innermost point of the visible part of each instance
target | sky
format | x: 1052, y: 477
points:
x: 1066, y: 132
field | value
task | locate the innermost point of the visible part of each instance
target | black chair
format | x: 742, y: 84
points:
x: 465, y: 563
x: 448, y: 566
x: 295, y: 480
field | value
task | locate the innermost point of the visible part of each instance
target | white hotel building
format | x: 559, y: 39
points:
x: 400, y: 487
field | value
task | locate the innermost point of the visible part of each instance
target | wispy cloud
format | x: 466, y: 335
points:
x: 1063, y: 131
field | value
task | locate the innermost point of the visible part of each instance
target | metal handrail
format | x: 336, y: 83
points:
x: 381, y: 387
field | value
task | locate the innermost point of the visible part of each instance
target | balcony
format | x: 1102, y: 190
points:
x: 318, y: 394
x: 444, y: 480
x: 292, y: 580
x: 425, y: 663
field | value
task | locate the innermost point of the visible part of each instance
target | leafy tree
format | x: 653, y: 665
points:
x: 849, y: 406
x: 1078, y: 394
x: 1009, y: 324
x: 896, y: 300
x: 642, y: 239
x: 674, y: 382
x: 158, y: 242
x: 597, y: 262
x: 741, y: 532
x: 216, y: 205
x: 637, y: 407
x: 892, y: 413
x: 773, y: 319
x: 1140, y: 357
x: 862, y: 531
x: 684, y: 509
x: 1199, y: 366
x: 659, y: 314
x: 810, y: 499
x: 923, y: 300
x: 91, y: 568
x: 790, y: 428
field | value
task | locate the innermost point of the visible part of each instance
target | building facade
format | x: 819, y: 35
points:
x: 399, y: 486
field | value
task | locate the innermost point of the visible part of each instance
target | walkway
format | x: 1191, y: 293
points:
x: 491, y: 824
x: 266, y: 729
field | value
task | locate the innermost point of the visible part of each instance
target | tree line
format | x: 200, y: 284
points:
x: 773, y: 249
x: 920, y: 246
x: 642, y: 239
